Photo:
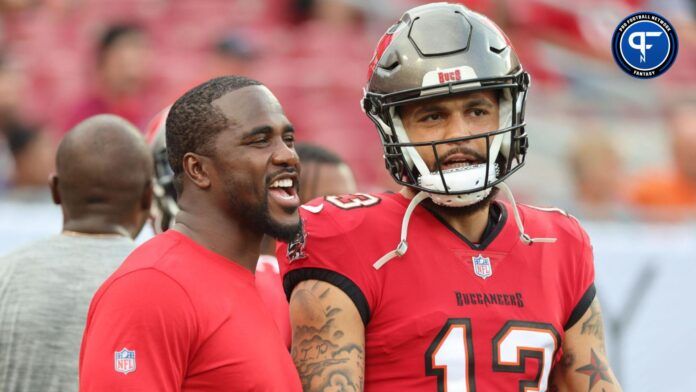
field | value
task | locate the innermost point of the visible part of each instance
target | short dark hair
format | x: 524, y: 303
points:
x: 312, y: 153
x: 193, y: 122
x: 113, y: 34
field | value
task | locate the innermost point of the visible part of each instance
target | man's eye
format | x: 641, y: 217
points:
x: 289, y: 140
x: 432, y: 117
x: 259, y: 140
x: 479, y: 112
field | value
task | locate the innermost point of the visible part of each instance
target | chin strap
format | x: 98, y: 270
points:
x: 403, y: 244
x: 524, y: 237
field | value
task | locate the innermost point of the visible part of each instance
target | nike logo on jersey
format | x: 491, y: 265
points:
x: 314, y: 209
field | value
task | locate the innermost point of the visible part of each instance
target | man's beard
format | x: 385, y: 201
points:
x: 463, y: 211
x: 257, y: 216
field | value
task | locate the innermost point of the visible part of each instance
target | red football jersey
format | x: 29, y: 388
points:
x: 449, y: 315
x: 178, y: 317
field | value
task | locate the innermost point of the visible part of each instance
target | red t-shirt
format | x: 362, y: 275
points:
x: 178, y: 317
x: 270, y: 287
x: 449, y: 314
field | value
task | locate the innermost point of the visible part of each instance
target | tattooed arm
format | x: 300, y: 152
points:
x: 328, y: 341
x: 584, y: 366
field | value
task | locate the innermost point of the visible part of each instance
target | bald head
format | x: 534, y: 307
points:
x: 103, y: 174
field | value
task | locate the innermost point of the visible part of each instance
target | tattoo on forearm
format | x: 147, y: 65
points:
x: 339, y: 381
x: 596, y: 370
x: 594, y: 325
x: 320, y: 351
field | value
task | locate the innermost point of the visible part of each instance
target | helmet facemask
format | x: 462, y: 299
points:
x: 462, y: 186
x: 164, y: 209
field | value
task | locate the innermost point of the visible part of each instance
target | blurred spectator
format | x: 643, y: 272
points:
x: 12, y: 88
x: 17, y: 5
x: 30, y: 148
x: 671, y: 193
x: 32, y: 151
x: 102, y: 183
x: 597, y: 172
x: 340, y: 13
x: 122, y: 80
x: 233, y: 55
x: 323, y: 173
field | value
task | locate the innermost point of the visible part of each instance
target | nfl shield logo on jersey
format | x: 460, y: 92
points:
x: 482, y: 266
x: 124, y: 361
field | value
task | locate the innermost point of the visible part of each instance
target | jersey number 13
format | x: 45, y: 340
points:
x: 450, y: 356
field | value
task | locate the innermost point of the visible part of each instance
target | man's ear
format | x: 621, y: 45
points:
x: 53, y: 184
x: 197, y: 169
x: 146, y: 199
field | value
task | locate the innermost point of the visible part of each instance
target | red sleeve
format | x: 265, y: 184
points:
x: 329, y: 255
x: 145, y: 312
x: 270, y: 288
x: 581, y: 279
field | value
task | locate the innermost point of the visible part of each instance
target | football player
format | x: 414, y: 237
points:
x: 441, y: 287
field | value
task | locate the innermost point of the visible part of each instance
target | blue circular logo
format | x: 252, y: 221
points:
x: 645, y: 45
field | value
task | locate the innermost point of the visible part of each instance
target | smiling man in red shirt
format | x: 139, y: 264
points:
x: 182, y: 312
